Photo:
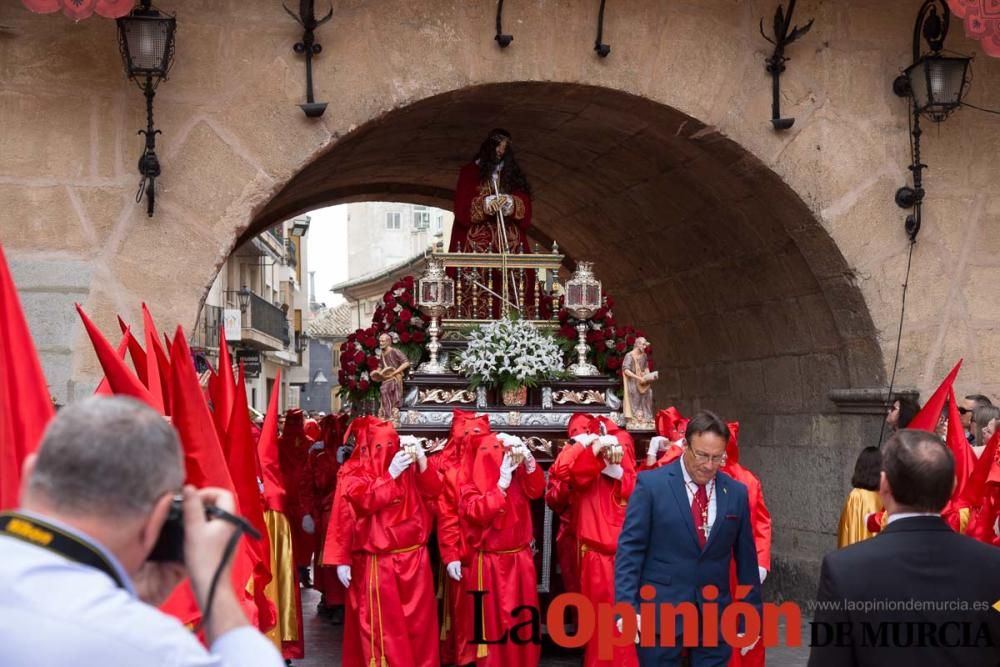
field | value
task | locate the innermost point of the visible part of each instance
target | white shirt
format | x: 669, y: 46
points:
x: 907, y: 515
x: 692, y: 487
x: 56, y: 612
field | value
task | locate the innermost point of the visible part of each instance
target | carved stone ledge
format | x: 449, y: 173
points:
x: 867, y: 400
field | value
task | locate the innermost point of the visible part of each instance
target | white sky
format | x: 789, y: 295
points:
x: 328, y: 251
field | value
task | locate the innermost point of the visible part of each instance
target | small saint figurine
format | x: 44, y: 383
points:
x: 638, y: 394
x: 392, y: 365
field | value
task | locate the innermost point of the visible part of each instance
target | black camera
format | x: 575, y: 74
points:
x: 170, y: 545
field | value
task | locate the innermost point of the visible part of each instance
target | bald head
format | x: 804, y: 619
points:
x: 919, y: 469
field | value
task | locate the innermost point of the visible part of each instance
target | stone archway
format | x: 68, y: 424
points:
x: 748, y: 300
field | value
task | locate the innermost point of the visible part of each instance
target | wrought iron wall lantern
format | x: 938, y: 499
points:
x: 775, y: 65
x: 301, y: 342
x: 309, y: 47
x: 242, y: 296
x: 935, y: 84
x: 146, y: 41
x: 600, y: 47
x: 502, y: 39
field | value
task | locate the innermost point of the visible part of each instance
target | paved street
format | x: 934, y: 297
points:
x: 323, y: 644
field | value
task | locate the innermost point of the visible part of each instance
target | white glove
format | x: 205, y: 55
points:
x: 344, y: 453
x: 454, y: 569
x: 344, y: 574
x: 308, y: 524
x: 529, y: 459
x: 400, y: 462
x: 996, y: 527
x: 762, y: 572
x: 747, y: 649
x: 506, y: 472
x: 260, y: 484
x: 605, y: 441
x: 585, y: 439
x: 657, y: 445
x: 613, y: 470
x: 638, y: 624
x: 317, y: 446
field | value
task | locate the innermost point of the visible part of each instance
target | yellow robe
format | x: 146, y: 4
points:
x: 860, y: 503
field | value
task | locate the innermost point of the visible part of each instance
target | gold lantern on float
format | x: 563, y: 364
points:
x: 583, y: 299
x: 435, y: 295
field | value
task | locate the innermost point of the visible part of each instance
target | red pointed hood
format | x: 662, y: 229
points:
x: 267, y: 448
x: 157, y: 358
x: 312, y: 430
x: 578, y: 423
x: 483, y: 459
x: 203, y: 458
x: 383, y: 443
x: 464, y: 425
x: 136, y: 352
x: 104, y: 388
x: 120, y: 378
x: 965, y: 460
x: 732, y: 447
x: 927, y: 418
x: 225, y: 388
x: 670, y: 424
x: 25, y: 401
x: 241, y: 456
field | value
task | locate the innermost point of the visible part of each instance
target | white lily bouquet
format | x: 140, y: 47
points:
x: 509, y: 354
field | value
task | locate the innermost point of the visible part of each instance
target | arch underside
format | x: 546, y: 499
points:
x: 747, y: 300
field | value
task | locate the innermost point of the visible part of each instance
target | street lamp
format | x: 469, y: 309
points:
x: 242, y: 296
x: 146, y: 43
x: 301, y: 341
x: 300, y: 226
x: 583, y: 298
x: 935, y: 85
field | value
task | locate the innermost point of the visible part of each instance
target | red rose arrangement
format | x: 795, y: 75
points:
x: 609, y: 341
x: 398, y: 314
x: 358, y: 358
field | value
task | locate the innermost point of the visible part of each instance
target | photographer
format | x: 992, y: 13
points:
x: 76, y: 587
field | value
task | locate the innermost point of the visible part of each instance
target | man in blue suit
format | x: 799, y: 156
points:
x: 684, y: 523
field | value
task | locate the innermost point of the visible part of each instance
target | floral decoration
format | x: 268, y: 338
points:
x: 609, y: 341
x: 511, y: 353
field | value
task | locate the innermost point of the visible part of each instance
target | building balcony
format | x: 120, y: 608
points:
x: 264, y: 326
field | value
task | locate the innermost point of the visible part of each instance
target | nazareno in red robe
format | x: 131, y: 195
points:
x: 318, y: 489
x: 341, y: 538
x: 599, y: 503
x: 392, y: 588
x: 456, y: 604
x: 499, y: 538
x: 293, y: 456
x: 760, y: 519
x: 557, y: 497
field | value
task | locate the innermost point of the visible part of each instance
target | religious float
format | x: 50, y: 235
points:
x: 503, y: 335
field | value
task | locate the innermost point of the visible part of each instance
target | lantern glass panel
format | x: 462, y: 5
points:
x: 937, y: 83
x: 147, y: 40
x: 448, y: 293
x: 593, y: 296
x: 574, y: 295
x: 429, y: 292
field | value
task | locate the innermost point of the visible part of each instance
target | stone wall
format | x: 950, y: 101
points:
x: 767, y: 266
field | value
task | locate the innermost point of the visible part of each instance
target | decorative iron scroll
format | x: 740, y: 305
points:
x: 585, y: 397
x: 445, y: 396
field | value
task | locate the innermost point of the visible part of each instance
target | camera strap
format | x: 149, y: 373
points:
x: 51, y: 538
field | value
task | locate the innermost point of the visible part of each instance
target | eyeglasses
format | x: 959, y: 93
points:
x: 964, y: 411
x: 702, y: 457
